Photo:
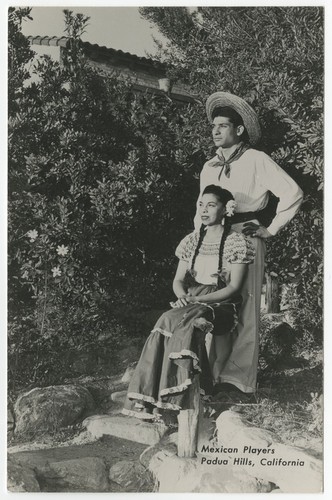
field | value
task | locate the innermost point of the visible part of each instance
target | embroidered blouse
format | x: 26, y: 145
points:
x: 237, y: 250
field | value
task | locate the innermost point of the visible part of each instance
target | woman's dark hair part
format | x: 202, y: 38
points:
x: 233, y: 116
x: 224, y: 196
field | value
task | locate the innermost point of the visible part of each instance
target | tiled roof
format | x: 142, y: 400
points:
x: 53, y: 41
x: 63, y: 41
x: 119, y: 58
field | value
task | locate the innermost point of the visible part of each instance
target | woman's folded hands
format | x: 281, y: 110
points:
x: 183, y: 301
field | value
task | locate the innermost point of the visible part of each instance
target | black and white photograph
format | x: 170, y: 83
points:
x: 165, y: 242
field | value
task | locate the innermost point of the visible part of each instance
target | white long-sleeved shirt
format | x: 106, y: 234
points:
x: 251, y: 177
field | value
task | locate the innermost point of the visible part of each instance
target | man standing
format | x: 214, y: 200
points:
x: 249, y: 175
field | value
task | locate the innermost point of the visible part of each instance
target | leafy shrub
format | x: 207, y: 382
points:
x: 101, y: 189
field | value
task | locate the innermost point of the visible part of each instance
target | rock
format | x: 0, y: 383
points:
x: 131, y: 476
x: 20, y: 478
x: 86, y: 474
x: 233, y: 482
x: 164, y: 467
x: 50, y: 408
x: 119, y: 397
x: 292, y: 469
x: 189, y: 475
x: 125, y: 427
x: 165, y: 445
x: 231, y: 424
x: 264, y: 486
x: 101, y: 388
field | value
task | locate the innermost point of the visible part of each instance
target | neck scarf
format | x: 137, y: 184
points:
x: 226, y: 164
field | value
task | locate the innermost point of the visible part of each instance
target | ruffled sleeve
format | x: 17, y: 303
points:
x: 187, y: 246
x: 239, y: 249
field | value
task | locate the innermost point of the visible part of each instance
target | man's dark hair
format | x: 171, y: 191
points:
x: 233, y: 116
x: 230, y: 113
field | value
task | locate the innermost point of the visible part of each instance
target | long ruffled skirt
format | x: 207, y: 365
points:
x: 173, y: 353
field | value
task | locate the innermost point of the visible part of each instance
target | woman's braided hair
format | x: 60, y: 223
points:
x: 224, y: 197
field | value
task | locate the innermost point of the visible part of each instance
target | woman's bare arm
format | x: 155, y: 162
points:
x: 178, y: 286
x: 238, y: 272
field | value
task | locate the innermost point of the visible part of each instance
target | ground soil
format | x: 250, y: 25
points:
x: 289, y: 402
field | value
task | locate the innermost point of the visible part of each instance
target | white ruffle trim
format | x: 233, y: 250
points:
x: 166, y: 333
x: 154, y: 402
x: 180, y: 388
x: 185, y: 353
x: 159, y: 404
x: 137, y: 414
x: 141, y: 397
x: 139, y: 405
x: 176, y: 388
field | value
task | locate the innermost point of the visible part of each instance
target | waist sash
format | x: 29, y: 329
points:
x: 245, y: 216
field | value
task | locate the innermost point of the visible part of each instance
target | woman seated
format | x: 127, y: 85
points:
x: 207, y: 284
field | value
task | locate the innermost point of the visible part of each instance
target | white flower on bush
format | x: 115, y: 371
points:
x: 56, y: 271
x: 230, y: 208
x: 33, y: 234
x: 62, y: 250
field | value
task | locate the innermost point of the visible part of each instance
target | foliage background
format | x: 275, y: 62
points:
x: 274, y: 58
x: 103, y: 182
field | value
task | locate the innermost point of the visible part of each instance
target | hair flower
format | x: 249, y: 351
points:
x: 230, y: 208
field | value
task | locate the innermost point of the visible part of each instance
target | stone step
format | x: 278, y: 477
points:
x: 84, y: 474
x: 125, y: 427
x: 131, y: 476
x: 64, y: 468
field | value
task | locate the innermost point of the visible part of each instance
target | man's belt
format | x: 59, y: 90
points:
x: 265, y: 216
x: 245, y: 216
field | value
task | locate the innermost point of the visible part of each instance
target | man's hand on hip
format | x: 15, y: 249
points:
x: 255, y: 230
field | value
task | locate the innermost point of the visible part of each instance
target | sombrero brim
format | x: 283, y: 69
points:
x: 249, y: 116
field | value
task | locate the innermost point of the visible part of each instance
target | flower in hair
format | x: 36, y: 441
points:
x: 230, y: 208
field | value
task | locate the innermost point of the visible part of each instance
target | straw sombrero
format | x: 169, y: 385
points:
x: 249, y: 116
